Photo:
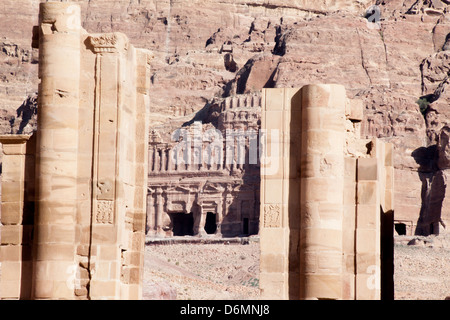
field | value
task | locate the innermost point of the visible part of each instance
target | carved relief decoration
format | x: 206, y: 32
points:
x: 272, y: 216
x: 107, y: 42
x: 105, y: 212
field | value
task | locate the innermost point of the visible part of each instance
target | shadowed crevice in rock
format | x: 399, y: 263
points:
x: 433, y: 172
x: 26, y: 112
x: 259, y: 72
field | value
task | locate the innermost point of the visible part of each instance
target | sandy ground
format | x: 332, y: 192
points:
x: 203, y: 271
x: 231, y: 271
x: 422, y: 269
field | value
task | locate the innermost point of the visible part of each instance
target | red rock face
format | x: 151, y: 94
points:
x: 212, y: 49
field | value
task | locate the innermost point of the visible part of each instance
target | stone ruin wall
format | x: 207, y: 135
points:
x: 76, y: 229
x: 329, y: 200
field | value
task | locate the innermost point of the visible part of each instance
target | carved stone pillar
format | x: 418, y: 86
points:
x: 151, y: 162
x: 326, y: 199
x: 16, y: 226
x: 322, y: 187
x: 280, y: 205
x: 159, y: 211
x: 199, y: 220
x: 92, y: 160
x: 57, y: 147
x: 219, y: 216
x: 151, y: 226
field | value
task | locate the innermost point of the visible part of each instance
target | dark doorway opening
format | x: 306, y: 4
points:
x: 400, y: 228
x: 434, y: 229
x: 245, y: 226
x: 387, y: 253
x: 183, y: 224
x: 210, y: 223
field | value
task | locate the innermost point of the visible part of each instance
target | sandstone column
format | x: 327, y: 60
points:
x: 150, y: 213
x: 57, y: 146
x: 322, y: 186
x: 159, y: 211
x: 219, y: 216
x: 199, y: 221
x: 16, y: 218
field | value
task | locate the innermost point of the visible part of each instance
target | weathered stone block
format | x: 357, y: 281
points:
x: 55, y: 252
x: 43, y: 289
x: 368, y: 216
x: 350, y: 168
x: 367, y: 287
x: 11, y: 270
x: 330, y: 262
x: 368, y: 193
x: 103, y: 289
x: 11, y: 234
x: 318, y: 239
x: 12, y: 191
x: 368, y: 169
x: 323, y: 286
x: 274, y: 285
x: 104, y: 234
x: 267, y: 243
x: 108, y: 252
x: 389, y: 154
x: 365, y: 262
x: 354, y: 109
x: 349, y: 192
x: 11, y: 253
x: 274, y: 99
x: 18, y: 148
x: 367, y: 241
x: 273, y: 262
x: 10, y: 289
x: 273, y: 192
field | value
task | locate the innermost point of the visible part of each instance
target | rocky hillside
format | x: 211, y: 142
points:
x: 395, y: 58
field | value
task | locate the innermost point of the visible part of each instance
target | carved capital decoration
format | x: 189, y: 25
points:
x: 108, y: 42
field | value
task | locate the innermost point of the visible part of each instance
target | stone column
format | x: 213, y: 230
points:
x: 219, y: 216
x: 163, y: 159
x: 57, y: 146
x: 322, y: 186
x: 150, y: 214
x: 199, y: 221
x: 151, y: 152
x: 159, y: 211
x: 16, y: 220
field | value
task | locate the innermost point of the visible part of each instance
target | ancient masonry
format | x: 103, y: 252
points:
x: 326, y: 199
x: 76, y: 231
x: 76, y: 203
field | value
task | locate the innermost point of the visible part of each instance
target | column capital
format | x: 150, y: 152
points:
x: 14, y: 143
x: 108, y: 42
